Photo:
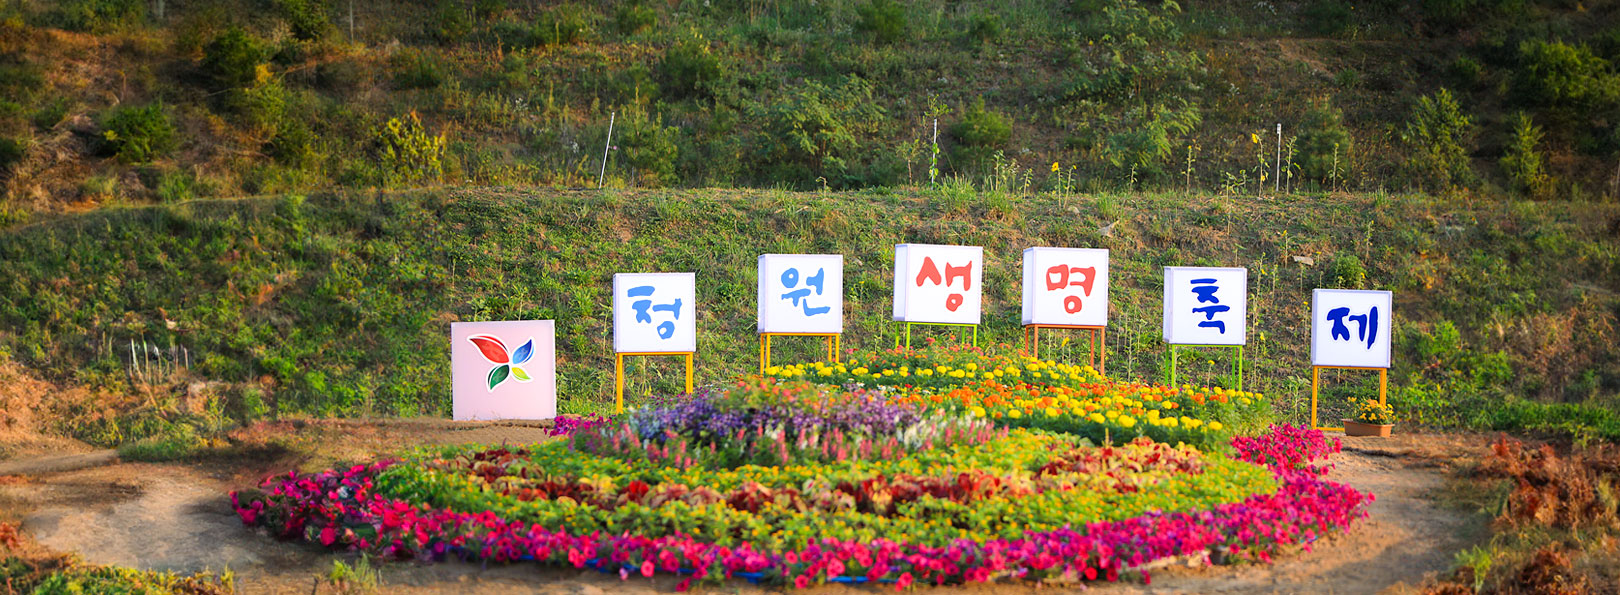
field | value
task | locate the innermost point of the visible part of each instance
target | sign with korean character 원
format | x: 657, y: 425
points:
x: 1351, y: 328
x: 801, y: 293
x: 940, y: 284
x: 1206, y: 305
x: 654, y: 313
x: 1067, y: 286
x: 503, y: 370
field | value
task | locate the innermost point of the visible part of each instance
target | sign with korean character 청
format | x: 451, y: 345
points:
x: 1066, y: 286
x: 654, y: 313
x: 503, y: 370
x: 938, y: 284
x: 1351, y: 328
x: 1206, y: 305
x: 801, y: 293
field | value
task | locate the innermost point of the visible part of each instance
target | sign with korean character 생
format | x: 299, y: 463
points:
x: 801, y: 293
x: 503, y: 370
x: 940, y: 284
x: 1066, y: 286
x: 654, y: 313
x: 1351, y: 328
x: 1206, y: 305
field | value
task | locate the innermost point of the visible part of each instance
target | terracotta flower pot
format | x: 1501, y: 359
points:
x: 1356, y: 428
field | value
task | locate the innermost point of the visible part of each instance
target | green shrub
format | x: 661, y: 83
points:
x: 1466, y: 71
x: 449, y: 23
x: 236, y: 59
x: 1522, y: 163
x: 295, y: 146
x: 1436, y: 134
x: 979, y: 134
x: 12, y: 151
x: 883, y: 20
x: 406, y: 153
x: 306, y: 18
x: 1556, y: 74
x: 985, y: 28
x: 417, y: 69
x: 139, y: 134
x: 564, y: 24
x: 98, y: 15
x: 1323, y: 144
x: 261, y: 108
x: 1347, y: 272
x: 634, y: 17
x: 649, y: 150
x: 488, y: 9
x: 689, y: 69
x: 815, y: 131
x: 173, y: 186
x: 1329, y: 18
x: 51, y: 114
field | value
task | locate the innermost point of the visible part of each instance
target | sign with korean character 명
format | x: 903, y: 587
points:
x: 801, y: 293
x: 1351, y: 328
x: 940, y: 284
x: 1066, y: 286
x: 654, y: 313
x: 503, y: 370
x: 1206, y: 305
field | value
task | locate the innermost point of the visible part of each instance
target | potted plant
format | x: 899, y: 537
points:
x: 1373, y: 418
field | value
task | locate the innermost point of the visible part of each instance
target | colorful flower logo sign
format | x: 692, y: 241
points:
x: 1351, y: 328
x: 1206, y: 305
x: 801, y: 293
x: 492, y: 379
x: 1066, y: 286
x: 938, y: 284
x: 654, y: 312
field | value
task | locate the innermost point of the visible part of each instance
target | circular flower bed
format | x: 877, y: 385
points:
x: 798, y: 483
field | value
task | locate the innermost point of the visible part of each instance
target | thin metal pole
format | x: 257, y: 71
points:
x: 1276, y: 177
x: 601, y: 175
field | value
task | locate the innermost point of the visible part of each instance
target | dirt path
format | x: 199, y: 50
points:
x: 176, y: 517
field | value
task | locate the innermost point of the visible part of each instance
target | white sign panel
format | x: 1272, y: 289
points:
x: 1206, y: 305
x: 934, y: 283
x: 1066, y: 286
x: 654, y: 313
x: 801, y: 293
x: 503, y: 370
x: 1351, y: 328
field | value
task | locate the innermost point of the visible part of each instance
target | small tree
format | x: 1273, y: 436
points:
x: 1437, y: 134
x: 979, y: 134
x: 1523, y: 161
x: 1323, y: 141
x: 884, y: 20
x: 235, y: 59
x: 690, y: 69
x: 139, y: 134
x: 407, y: 153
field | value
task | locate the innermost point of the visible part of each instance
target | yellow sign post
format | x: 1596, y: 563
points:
x: 618, y: 373
x: 834, y: 343
x: 1316, y: 381
x: 1098, y: 359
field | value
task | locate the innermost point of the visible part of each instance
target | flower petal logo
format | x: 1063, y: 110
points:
x: 507, y: 363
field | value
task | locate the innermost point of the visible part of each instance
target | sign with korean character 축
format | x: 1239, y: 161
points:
x: 503, y: 370
x: 1066, y: 286
x: 1206, y: 305
x: 1351, y: 328
x: 654, y: 313
x: 801, y: 293
x: 938, y: 284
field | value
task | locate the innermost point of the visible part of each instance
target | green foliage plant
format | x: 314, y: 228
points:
x: 1438, y: 134
x: 139, y: 134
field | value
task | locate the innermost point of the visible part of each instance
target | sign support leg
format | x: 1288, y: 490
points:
x: 689, y: 372
x: 618, y: 382
x: 1316, y: 381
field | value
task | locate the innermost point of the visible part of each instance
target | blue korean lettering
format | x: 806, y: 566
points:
x: 790, y: 278
x: 666, y: 329
x: 1366, y: 325
x: 1205, y: 290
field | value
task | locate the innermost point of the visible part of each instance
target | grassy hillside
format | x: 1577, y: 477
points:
x: 118, y: 101
x: 340, y: 303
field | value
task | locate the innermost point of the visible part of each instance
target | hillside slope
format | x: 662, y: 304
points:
x: 341, y: 303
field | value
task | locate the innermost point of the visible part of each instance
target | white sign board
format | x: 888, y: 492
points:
x: 940, y: 284
x: 801, y: 293
x: 1206, y: 305
x: 654, y: 313
x: 1351, y: 328
x: 503, y: 370
x: 1066, y: 286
